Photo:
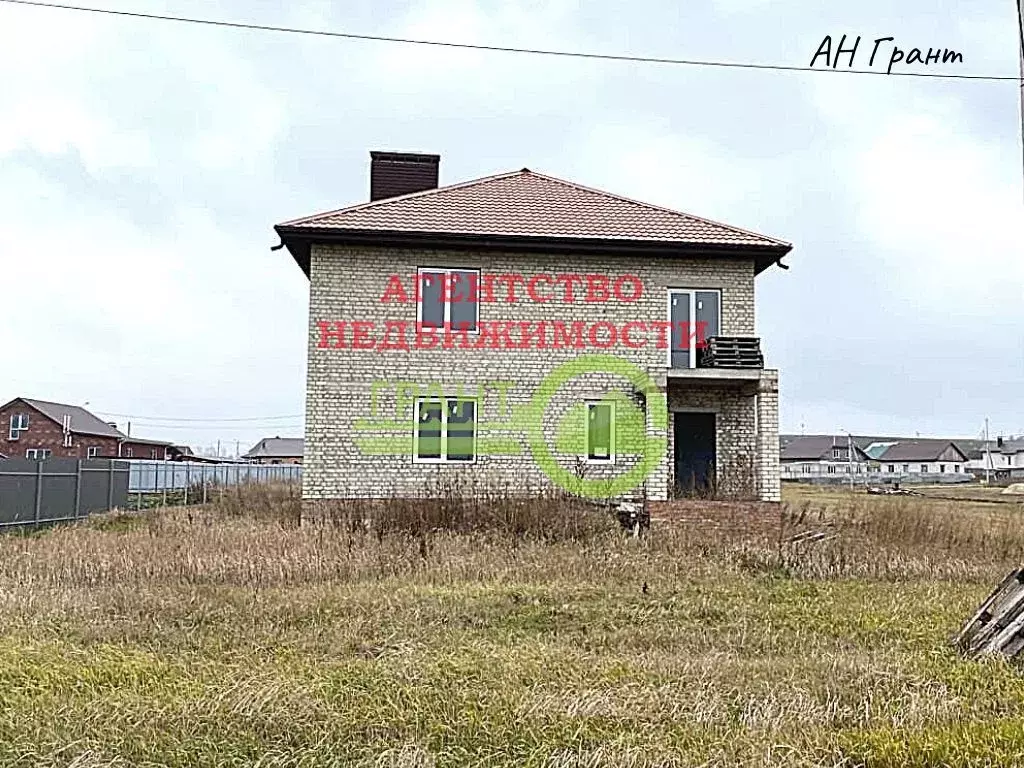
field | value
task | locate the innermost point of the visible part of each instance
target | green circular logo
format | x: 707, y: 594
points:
x: 654, y: 446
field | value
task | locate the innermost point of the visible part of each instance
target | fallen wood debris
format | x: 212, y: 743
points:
x: 811, y: 537
x: 892, y: 491
x: 997, y: 628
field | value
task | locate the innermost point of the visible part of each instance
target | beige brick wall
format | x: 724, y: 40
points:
x: 348, y: 284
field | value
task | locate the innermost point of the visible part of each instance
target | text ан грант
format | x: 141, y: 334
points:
x: 883, y: 52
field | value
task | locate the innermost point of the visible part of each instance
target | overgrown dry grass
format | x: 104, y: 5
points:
x: 231, y: 636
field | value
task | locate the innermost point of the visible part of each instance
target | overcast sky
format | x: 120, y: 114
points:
x: 143, y: 165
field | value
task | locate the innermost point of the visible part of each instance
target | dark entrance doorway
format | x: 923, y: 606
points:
x: 694, y: 440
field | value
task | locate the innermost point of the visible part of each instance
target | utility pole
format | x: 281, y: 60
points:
x: 849, y: 451
x: 1020, y: 29
x: 988, y: 451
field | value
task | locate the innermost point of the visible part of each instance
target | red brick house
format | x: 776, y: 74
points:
x: 39, y: 429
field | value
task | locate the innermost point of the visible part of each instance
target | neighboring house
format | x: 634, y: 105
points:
x: 39, y: 429
x: 919, y: 456
x: 276, y: 450
x: 1002, y: 458
x: 817, y: 455
x: 436, y: 314
x: 911, y: 458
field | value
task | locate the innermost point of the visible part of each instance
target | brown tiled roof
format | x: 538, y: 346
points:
x: 528, y: 204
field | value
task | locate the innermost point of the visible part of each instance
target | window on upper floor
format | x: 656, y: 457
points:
x: 448, y: 297
x: 19, y: 424
x: 695, y: 316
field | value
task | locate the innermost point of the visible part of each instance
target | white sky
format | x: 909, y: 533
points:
x: 143, y: 165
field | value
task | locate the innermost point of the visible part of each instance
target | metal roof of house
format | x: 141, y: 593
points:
x: 524, y: 206
x: 875, y: 450
x: 276, y: 447
x: 82, y: 422
x: 528, y: 203
x: 918, y: 449
x: 814, y: 447
x: 147, y: 441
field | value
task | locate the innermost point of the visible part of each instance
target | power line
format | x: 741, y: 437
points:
x: 215, y: 427
x: 175, y: 419
x: 496, y: 48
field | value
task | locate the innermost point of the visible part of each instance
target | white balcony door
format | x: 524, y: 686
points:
x: 686, y: 309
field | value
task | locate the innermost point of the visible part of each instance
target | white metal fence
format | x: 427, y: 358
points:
x: 157, y: 476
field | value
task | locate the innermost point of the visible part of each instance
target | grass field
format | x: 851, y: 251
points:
x: 229, y: 637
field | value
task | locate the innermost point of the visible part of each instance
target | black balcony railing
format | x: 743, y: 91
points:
x: 731, y: 352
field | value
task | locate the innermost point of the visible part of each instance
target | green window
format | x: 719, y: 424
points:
x: 445, y: 430
x: 600, y: 432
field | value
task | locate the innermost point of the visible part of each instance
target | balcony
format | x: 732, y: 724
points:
x: 722, y: 358
x: 732, y: 352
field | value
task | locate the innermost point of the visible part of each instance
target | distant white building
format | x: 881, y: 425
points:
x: 1001, y: 458
x: 821, y: 455
x: 917, y: 456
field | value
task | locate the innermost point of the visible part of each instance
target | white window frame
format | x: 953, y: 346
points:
x: 691, y: 358
x: 92, y: 452
x: 446, y: 271
x: 924, y: 469
x: 611, y: 434
x: 443, y: 459
x: 34, y: 453
x: 15, y: 431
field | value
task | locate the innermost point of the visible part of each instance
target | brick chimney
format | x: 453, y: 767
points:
x: 400, y: 173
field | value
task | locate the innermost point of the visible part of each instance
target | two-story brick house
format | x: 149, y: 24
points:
x: 39, y: 429
x: 438, y: 317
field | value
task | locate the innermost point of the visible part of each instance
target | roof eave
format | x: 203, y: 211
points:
x: 299, y: 239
